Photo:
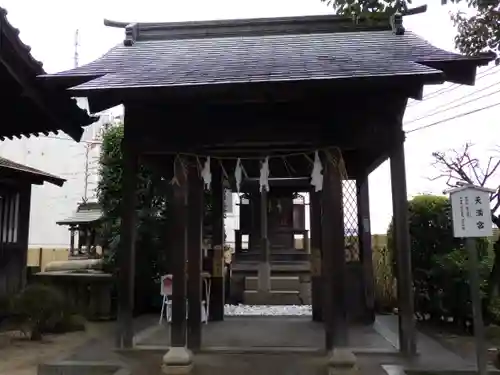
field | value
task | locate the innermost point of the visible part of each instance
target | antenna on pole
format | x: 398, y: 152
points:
x: 77, y: 44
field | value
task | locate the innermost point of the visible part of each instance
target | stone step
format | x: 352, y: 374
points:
x: 283, y: 283
x: 274, y: 297
x: 278, y: 268
x: 275, y: 256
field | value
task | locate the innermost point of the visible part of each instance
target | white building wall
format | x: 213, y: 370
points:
x: 63, y: 157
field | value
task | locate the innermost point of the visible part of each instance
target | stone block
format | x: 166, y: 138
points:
x: 286, y: 283
x: 342, y: 361
x: 274, y: 297
x: 177, y: 361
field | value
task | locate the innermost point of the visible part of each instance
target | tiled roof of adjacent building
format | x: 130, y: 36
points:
x: 28, y: 107
x: 260, y: 50
x: 85, y: 214
x: 33, y: 175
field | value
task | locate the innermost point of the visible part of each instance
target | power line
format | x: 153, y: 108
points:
x: 435, y: 112
x: 453, y: 118
x: 453, y: 87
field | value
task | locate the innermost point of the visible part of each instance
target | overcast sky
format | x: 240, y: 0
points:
x: 49, y: 28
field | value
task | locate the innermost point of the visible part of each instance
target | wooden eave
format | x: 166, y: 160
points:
x: 16, y: 172
x: 51, y: 111
x: 116, y: 77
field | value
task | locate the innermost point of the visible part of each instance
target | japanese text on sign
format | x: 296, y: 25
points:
x: 471, y: 213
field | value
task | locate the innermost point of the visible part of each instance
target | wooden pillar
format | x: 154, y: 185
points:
x: 126, y: 251
x: 179, y: 247
x: 80, y: 239
x: 307, y: 244
x: 217, y: 298
x: 264, y: 270
x: 72, y: 240
x: 253, y: 240
x: 365, y: 246
x: 334, y: 264
x: 87, y: 239
x: 407, y: 333
x: 195, y: 228
x: 23, y: 230
x: 315, y: 258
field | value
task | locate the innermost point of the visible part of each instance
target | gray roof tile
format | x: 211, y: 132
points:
x: 83, y: 217
x: 32, y: 172
x: 177, y: 62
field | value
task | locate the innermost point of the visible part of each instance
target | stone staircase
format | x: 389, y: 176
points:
x: 285, y: 290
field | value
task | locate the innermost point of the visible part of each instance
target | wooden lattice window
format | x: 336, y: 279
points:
x: 351, y: 234
x: 9, y: 217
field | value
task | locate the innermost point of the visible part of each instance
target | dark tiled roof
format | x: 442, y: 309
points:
x: 87, y: 212
x: 43, y: 111
x: 199, y: 54
x: 37, y: 175
x: 82, y: 217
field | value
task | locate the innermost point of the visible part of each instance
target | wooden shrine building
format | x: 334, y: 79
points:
x: 28, y: 108
x: 15, y: 200
x: 84, y: 224
x: 270, y: 92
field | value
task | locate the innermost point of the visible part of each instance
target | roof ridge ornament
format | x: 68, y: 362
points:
x: 396, y: 21
x: 131, y: 34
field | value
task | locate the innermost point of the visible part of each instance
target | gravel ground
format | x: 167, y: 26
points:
x: 266, y: 310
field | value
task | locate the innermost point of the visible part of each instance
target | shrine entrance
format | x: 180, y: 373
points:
x: 285, y: 97
x: 286, y: 220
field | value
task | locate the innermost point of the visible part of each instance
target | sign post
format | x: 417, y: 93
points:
x: 472, y: 219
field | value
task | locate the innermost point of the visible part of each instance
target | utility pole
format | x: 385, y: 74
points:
x: 87, y: 172
x: 77, y: 45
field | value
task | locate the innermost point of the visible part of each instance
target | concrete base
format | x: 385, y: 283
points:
x: 273, y: 297
x: 342, y: 361
x: 177, y: 361
x: 277, y: 283
x: 264, y: 277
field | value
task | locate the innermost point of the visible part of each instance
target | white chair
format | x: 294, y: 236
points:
x: 166, y: 306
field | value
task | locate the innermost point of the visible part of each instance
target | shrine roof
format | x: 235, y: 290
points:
x: 28, y: 108
x: 35, y: 176
x: 261, y: 50
x: 83, y: 217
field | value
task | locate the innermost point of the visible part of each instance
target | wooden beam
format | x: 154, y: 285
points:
x: 315, y: 257
x: 24, y: 224
x: 210, y: 130
x: 263, y: 91
x: 178, y: 236
x: 126, y: 251
x: 407, y: 330
x: 217, y: 298
x: 264, y: 271
x: 194, y: 283
x: 365, y: 245
x: 334, y: 271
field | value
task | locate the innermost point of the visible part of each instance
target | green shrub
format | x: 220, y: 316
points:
x: 494, y: 309
x: 40, y: 309
x: 153, y: 217
x: 385, y: 286
x: 439, y: 262
x: 68, y: 323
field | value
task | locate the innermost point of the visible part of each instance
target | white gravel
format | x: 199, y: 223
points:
x: 268, y: 310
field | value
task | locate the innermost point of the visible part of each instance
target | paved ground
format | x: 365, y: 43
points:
x: 261, y: 332
x: 254, y: 364
x: 286, y: 332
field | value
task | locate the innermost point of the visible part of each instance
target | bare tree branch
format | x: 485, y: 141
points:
x: 461, y: 166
